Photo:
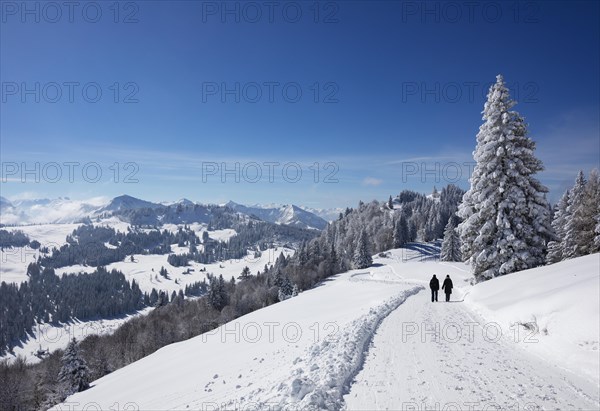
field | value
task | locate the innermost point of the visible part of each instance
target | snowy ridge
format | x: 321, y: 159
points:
x: 126, y: 202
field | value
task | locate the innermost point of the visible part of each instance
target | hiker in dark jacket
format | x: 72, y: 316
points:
x: 447, y: 287
x: 434, y: 284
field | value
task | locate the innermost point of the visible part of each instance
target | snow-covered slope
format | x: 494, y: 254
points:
x: 560, y: 301
x: 309, y: 351
x: 304, y: 350
x: 144, y: 270
x: 14, y: 261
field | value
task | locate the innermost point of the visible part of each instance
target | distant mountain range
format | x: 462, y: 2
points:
x: 287, y: 214
x: 135, y: 210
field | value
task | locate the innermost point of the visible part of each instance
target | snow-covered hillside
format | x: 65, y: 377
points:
x: 14, y: 261
x: 144, y: 270
x: 439, y: 356
x: 559, y: 301
x: 310, y: 350
x: 47, y: 338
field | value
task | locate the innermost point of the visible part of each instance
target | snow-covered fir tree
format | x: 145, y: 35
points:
x: 574, y: 222
x: 597, y: 238
x: 593, y: 202
x: 74, y: 373
x: 401, y: 235
x: 362, y: 257
x: 451, y: 243
x: 506, y: 217
x: 217, y: 293
x: 556, y: 247
x: 286, y: 288
x: 245, y: 273
x: 581, y: 223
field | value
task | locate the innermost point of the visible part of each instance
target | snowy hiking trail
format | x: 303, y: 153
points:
x: 438, y: 356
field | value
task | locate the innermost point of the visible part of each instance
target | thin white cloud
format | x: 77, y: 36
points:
x: 372, y: 181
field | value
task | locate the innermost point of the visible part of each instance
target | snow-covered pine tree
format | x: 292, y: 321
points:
x: 245, y: 273
x: 362, y: 257
x: 581, y: 223
x: 401, y: 235
x: 451, y: 243
x: 74, y: 373
x: 593, y: 202
x: 217, y: 294
x: 506, y: 217
x: 556, y: 247
x: 286, y: 288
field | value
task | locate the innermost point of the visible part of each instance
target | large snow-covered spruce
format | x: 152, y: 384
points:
x: 506, y: 217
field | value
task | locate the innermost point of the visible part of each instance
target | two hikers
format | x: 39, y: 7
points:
x: 447, y: 286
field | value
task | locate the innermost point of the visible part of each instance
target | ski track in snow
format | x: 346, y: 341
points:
x: 407, y: 367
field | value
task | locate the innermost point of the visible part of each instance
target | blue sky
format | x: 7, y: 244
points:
x: 378, y: 96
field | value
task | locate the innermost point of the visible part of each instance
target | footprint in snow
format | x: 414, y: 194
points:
x: 215, y: 376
